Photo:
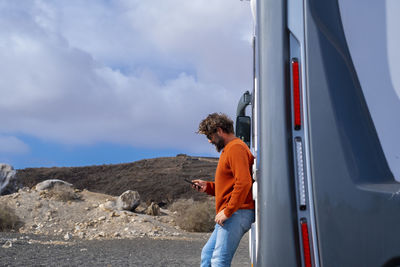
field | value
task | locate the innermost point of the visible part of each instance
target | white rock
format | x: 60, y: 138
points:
x: 81, y: 235
x: 116, y: 234
x: 8, y: 244
x: 101, y: 234
x: 129, y: 200
x: 108, y: 206
x: 67, y: 236
x: 50, y: 184
x: 7, y: 178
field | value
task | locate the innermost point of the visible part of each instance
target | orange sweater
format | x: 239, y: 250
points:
x: 233, y: 181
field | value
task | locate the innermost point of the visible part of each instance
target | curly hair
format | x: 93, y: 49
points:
x: 209, y: 125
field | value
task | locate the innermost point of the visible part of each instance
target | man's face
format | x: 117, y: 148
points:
x: 217, y: 141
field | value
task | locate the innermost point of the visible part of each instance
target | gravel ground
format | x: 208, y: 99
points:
x: 32, y: 250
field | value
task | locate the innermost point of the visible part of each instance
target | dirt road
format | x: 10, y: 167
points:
x: 30, y: 250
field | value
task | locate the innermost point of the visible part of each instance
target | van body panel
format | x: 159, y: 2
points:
x: 276, y: 228
x: 352, y: 197
x: 357, y: 215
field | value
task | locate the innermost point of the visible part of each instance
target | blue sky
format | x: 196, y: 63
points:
x: 101, y: 82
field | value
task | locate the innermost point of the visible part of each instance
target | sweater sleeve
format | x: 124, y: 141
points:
x: 239, y: 163
x: 210, y: 189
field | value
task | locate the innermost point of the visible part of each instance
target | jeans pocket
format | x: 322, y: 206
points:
x: 246, y: 219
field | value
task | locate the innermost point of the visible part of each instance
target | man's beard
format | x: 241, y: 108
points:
x: 219, y: 143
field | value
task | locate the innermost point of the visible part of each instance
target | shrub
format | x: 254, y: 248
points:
x: 194, y: 216
x: 8, y: 219
x: 63, y: 193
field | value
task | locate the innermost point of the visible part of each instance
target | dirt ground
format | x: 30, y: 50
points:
x: 88, y: 217
x: 33, y: 250
x: 85, y: 231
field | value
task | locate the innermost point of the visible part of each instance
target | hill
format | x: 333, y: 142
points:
x: 160, y: 180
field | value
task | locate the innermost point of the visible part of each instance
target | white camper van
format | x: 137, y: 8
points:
x: 325, y: 130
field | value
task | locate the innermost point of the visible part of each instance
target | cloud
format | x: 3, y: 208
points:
x: 12, y: 145
x: 141, y: 73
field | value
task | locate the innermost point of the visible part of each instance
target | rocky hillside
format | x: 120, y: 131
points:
x: 160, y: 180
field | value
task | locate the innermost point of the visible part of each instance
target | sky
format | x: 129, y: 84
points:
x: 103, y: 82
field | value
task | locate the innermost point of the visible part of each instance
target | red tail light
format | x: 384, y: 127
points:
x: 296, y: 94
x: 306, y: 244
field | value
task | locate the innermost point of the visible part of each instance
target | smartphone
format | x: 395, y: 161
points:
x: 190, y: 182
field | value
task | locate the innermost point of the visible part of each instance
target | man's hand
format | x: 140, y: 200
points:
x: 220, y: 218
x: 200, y: 185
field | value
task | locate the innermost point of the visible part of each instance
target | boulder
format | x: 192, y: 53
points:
x: 153, y: 209
x: 129, y: 200
x: 8, y: 183
x: 108, y: 206
x: 48, y: 184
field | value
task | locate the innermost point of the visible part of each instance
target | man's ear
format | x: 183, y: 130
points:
x: 220, y: 132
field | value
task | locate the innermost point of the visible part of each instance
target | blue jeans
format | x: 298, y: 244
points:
x: 223, y: 242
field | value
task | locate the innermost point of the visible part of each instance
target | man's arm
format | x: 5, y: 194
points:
x: 205, y: 186
x: 220, y: 218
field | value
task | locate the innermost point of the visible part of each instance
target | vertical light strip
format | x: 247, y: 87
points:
x: 306, y: 243
x: 300, y: 173
x: 296, y: 94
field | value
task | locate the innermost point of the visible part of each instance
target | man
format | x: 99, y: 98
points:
x: 232, y: 190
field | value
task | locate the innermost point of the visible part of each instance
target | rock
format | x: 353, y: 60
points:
x: 67, y: 236
x: 8, y: 244
x: 129, y: 200
x: 100, y: 234
x: 108, y: 206
x: 48, y: 184
x: 24, y: 189
x: 81, y: 235
x: 117, y: 234
x: 153, y: 209
x: 8, y: 183
x: 114, y: 214
x: 141, y: 208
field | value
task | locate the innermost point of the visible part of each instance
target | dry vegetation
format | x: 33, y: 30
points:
x: 8, y: 219
x: 159, y: 180
x: 63, y: 193
x: 194, y: 216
